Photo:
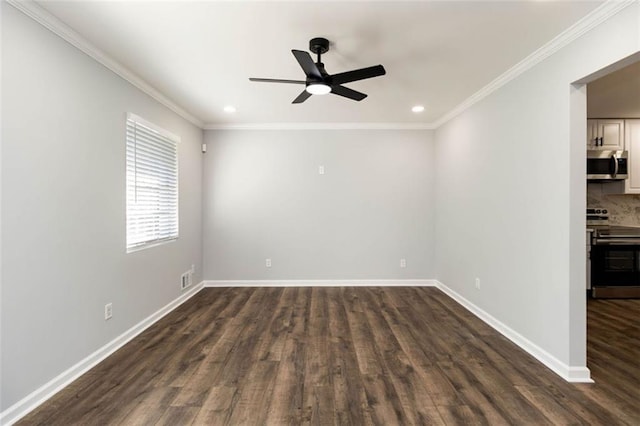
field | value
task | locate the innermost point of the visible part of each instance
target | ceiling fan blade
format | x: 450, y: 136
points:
x: 355, y: 75
x: 302, y: 97
x: 275, y: 80
x: 308, y: 66
x: 347, y: 93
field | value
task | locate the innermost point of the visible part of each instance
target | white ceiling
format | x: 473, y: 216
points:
x: 201, y: 54
x: 616, y: 95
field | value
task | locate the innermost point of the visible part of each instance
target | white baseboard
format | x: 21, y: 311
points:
x: 46, y: 391
x: 570, y: 374
x: 321, y: 283
x: 30, y: 402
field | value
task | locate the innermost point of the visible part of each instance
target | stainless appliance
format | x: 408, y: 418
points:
x: 615, y: 262
x: 597, y: 217
x: 607, y: 165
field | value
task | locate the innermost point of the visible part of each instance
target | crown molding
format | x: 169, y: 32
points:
x: 320, y: 126
x: 53, y: 24
x: 590, y: 21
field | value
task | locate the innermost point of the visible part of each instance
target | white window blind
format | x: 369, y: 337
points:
x: 152, y: 184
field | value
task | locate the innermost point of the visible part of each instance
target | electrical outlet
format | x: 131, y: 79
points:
x: 403, y: 263
x: 267, y: 263
x: 478, y: 283
x: 108, y: 311
x: 320, y: 170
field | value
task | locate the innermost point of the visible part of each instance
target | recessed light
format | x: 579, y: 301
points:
x: 417, y: 108
x: 230, y: 109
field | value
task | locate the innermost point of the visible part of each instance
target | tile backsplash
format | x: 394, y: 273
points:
x: 623, y: 209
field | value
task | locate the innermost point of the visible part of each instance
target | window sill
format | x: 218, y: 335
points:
x: 150, y: 245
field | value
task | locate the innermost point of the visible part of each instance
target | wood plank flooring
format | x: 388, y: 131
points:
x: 348, y: 356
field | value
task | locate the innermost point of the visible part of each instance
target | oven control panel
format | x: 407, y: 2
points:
x: 597, y: 216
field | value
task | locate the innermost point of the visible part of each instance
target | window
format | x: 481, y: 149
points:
x: 152, y: 184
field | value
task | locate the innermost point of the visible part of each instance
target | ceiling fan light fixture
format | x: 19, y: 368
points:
x: 318, y: 88
x: 319, y: 82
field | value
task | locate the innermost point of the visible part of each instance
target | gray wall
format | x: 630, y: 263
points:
x: 63, y: 208
x: 264, y: 198
x: 510, y: 194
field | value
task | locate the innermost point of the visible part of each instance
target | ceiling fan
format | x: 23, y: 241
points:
x: 318, y: 81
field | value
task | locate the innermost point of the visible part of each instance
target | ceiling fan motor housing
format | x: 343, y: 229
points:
x: 326, y: 78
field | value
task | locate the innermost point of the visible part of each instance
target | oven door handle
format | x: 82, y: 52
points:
x: 615, y: 165
x: 616, y: 241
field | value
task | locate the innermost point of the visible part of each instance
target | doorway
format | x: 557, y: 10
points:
x: 610, y: 94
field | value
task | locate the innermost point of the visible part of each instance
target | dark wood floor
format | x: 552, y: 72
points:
x: 348, y: 356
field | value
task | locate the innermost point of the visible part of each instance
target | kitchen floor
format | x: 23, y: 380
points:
x: 613, y: 349
x: 363, y: 355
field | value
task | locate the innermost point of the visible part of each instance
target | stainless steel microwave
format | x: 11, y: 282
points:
x: 607, y: 165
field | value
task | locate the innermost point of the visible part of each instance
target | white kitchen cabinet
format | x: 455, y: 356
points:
x: 631, y: 185
x: 589, y: 234
x: 605, y: 134
x: 632, y: 142
x: 592, y: 133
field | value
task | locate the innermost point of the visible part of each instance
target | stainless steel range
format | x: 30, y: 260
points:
x: 597, y: 217
x: 615, y: 257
